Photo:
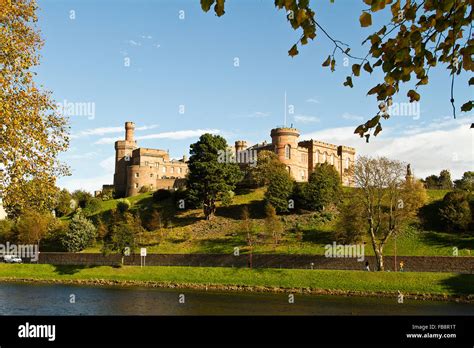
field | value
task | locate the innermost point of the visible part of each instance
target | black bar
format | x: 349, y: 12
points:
x: 239, y: 330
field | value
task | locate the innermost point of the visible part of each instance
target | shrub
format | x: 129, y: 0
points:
x: 107, y: 194
x: 161, y: 195
x: 455, y: 211
x: 81, y: 197
x: 80, y: 234
x: 279, y: 190
x: 273, y: 226
x: 63, y: 206
x: 145, y: 189
x: 323, y: 188
x: 92, y: 207
x: 121, y: 237
x: 6, y: 230
x: 351, y: 225
x: 53, y: 238
x: 32, y: 226
x: 123, y: 205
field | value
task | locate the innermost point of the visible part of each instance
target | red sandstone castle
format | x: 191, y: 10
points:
x: 136, y: 168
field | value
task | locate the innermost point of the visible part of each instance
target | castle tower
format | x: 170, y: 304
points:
x: 285, y: 142
x: 240, y: 145
x: 123, y: 157
x: 409, y: 175
x: 129, y: 131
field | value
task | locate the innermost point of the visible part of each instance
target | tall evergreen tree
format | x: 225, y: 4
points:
x: 208, y: 178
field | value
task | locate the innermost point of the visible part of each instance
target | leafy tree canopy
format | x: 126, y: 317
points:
x: 208, y: 178
x: 32, y: 134
x: 420, y: 35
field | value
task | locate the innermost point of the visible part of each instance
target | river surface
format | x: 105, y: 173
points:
x: 41, y: 299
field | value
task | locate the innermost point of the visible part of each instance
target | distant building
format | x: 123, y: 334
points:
x: 138, y: 167
x: 301, y: 157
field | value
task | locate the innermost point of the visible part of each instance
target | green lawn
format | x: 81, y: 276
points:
x: 408, y: 282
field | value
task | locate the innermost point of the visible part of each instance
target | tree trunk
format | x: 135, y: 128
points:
x: 379, y: 259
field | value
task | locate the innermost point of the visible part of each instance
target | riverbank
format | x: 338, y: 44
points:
x: 414, y: 285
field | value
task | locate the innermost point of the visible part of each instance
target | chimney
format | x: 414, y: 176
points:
x: 129, y: 131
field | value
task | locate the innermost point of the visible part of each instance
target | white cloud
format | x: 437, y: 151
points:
x: 76, y: 156
x: 313, y: 100
x: 348, y: 116
x: 429, y: 150
x: 306, y: 119
x: 108, y: 164
x: 108, y: 130
x: 177, y: 135
x: 255, y: 114
x: 149, y: 37
x: 134, y: 43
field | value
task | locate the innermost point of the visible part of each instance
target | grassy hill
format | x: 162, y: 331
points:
x: 186, y: 231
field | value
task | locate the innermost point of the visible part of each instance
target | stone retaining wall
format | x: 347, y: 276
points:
x: 411, y: 263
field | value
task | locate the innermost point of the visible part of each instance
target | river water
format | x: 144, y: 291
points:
x: 41, y: 299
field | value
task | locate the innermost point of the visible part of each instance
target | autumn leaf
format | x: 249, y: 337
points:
x: 293, y: 51
x: 368, y: 68
x: 219, y: 8
x: 356, y: 69
x: 327, y: 61
x: 413, y: 95
x: 365, y: 19
x: 206, y: 5
x: 467, y: 106
x: 348, y: 82
x: 378, y: 129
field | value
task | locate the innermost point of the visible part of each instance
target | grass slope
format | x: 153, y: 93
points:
x: 407, y: 282
x: 187, y: 232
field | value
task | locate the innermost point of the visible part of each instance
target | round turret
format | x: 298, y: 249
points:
x: 285, y: 142
x: 129, y: 131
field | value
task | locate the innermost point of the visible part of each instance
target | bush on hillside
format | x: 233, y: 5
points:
x: 455, y: 211
x: 80, y: 234
x: 279, y: 190
x: 92, y: 207
x: 123, y: 205
x: 161, y: 195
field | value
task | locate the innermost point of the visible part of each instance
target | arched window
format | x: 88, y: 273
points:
x: 287, y: 151
x: 324, y: 158
x: 332, y: 159
x: 347, y: 163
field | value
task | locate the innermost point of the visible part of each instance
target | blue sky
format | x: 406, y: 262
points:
x: 190, y: 63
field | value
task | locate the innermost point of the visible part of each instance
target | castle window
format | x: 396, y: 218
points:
x: 324, y: 158
x: 137, y: 175
x: 180, y: 170
x: 151, y: 175
x: 136, y: 185
x: 164, y: 170
x: 151, y: 186
x: 332, y: 159
x: 172, y: 170
x: 287, y: 151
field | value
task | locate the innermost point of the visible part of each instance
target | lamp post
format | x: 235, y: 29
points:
x: 395, y: 241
